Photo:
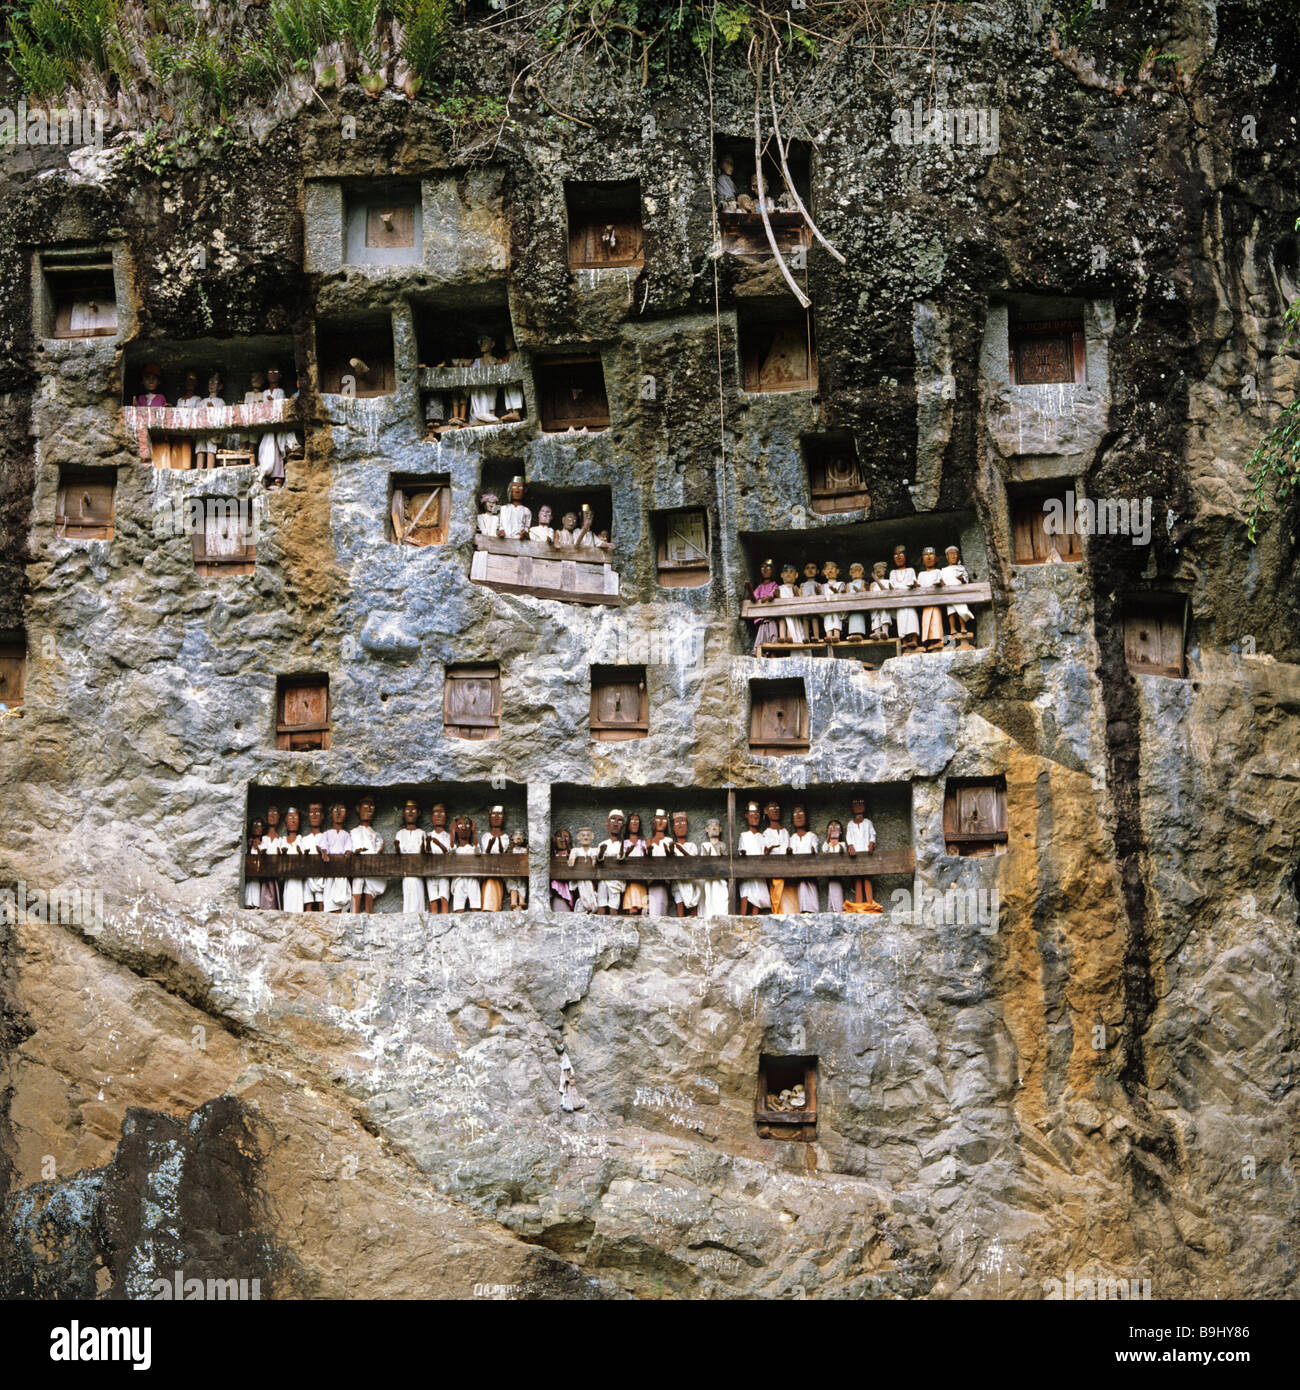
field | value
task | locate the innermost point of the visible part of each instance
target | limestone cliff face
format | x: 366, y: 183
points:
x: 1102, y: 1078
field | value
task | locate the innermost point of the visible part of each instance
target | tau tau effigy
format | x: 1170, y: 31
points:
x: 657, y: 674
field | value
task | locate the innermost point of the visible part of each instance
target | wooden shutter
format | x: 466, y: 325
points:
x: 304, y: 714
x: 573, y: 396
x: 835, y: 480
x: 597, y: 240
x: 1049, y: 352
x: 975, y: 816
x: 684, y: 549
x: 85, y: 507
x: 84, y: 308
x: 223, y: 545
x: 1032, y: 542
x: 390, y: 225
x: 13, y: 673
x: 471, y: 702
x: 778, y: 357
x: 1153, y: 639
x: 373, y: 346
x: 430, y: 504
x: 778, y: 718
x: 620, y: 705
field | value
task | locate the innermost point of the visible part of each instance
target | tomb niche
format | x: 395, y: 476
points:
x: 1155, y: 630
x: 471, y: 701
x: 224, y: 547
x: 1046, y: 351
x: 79, y: 294
x: 303, y: 714
x: 620, y: 703
x: 975, y: 816
x: 1032, y: 542
x: 777, y: 351
x: 571, y: 393
x: 471, y: 371
x: 382, y: 225
x: 740, y: 219
x: 84, y: 508
x: 420, y: 508
x: 356, y: 357
x: 785, y: 1106
x: 835, y: 482
x: 13, y: 668
x: 778, y: 717
x: 682, y: 548
x: 604, y: 224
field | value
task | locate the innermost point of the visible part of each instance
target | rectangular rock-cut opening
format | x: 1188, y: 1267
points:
x: 243, y: 365
x: 303, y: 716
x: 736, y: 195
x: 620, y: 703
x: 1155, y: 634
x: 778, y: 351
x: 13, y: 668
x: 471, y: 701
x: 825, y: 620
x: 78, y: 294
x: 355, y: 357
x: 1042, y: 524
x: 224, y: 542
x: 471, y: 372
x: 682, y: 547
x: 1045, y: 342
x: 975, y: 816
x: 84, y: 508
x: 778, y: 717
x: 419, y: 508
x: 785, y: 1102
x: 835, y: 482
x: 604, y: 224
x: 395, y: 884
x: 571, y: 393
x: 382, y: 224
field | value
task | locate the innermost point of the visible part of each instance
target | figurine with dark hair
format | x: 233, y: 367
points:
x: 272, y: 896
x: 903, y: 576
x: 636, y: 896
x: 253, y: 886
x: 466, y: 892
x: 686, y: 891
x: 932, y: 615
x: 561, y: 889
x: 366, y: 840
x: 803, y: 841
x: 496, y: 840
x: 754, y: 894
x: 765, y: 629
x: 410, y: 840
x: 438, y: 841
x: 336, y: 840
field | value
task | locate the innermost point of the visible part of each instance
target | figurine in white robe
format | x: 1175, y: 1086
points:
x: 954, y: 573
x: 275, y: 446
x: 715, y: 900
x: 754, y: 894
x: 832, y: 587
x: 291, y: 842
x: 206, y: 445
x: 609, y: 894
x: 585, y: 852
x: 860, y: 835
x: 794, y: 626
x: 803, y: 841
x: 512, y: 391
x: 686, y: 891
x: 337, y: 896
x: 810, y: 588
x: 857, y: 585
x: 903, y: 576
x: 367, y: 840
x: 834, y: 844
x: 483, y: 399
x: 543, y: 532
x: 272, y: 894
x: 489, y: 521
x: 466, y: 893
x: 410, y: 840
x: 253, y: 886
x: 725, y: 183
x: 515, y: 517
x: 518, y: 887
x: 438, y: 841
x: 882, y: 619
x: 314, y: 892
x: 495, y: 840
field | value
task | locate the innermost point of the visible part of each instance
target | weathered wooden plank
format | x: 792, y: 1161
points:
x: 787, y: 866
x: 278, y: 866
x: 848, y: 603
x: 583, y: 554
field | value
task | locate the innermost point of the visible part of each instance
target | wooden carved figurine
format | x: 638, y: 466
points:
x: 636, y: 896
x: 151, y: 386
x: 567, y: 535
x: 291, y: 842
x: 562, y: 890
x: 725, y: 183
x: 834, y: 844
x: 584, y: 850
x: 206, y: 445
x: 543, y: 532
x: 518, y: 887
x: 715, y: 898
x: 489, y: 523
x: 754, y: 894
x: 314, y: 895
x: 336, y: 840
x: 803, y: 841
x: 810, y: 588
x: 794, y: 627
x: 903, y: 576
x: 483, y: 399
x: 272, y: 897
x: 932, y: 615
x: 857, y: 585
x: 959, y: 615
x: 410, y: 840
x: 438, y: 841
x: 686, y: 892
x: 657, y: 847
x: 496, y: 840
x: 765, y: 629
x: 833, y: 619
x: 275, y: 446
x: 609, y: 896
x: 435, y: 414
x: 466, y: 892
x: 882, y: 619
x: 511, y: 391
x: 190, y: 399
x: 253, y: 886
x: 776, y: 840
x: 861, y: 839
x: 515, y: 517
x: 367, y: 840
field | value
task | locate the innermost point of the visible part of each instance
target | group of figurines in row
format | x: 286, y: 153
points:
x: 514, y: 522
x: 324, y: 894
x: 477, y: 405
x: 670, y: 835
x: 271, y: 448
x: 921, y: 630
x: 733, y: 200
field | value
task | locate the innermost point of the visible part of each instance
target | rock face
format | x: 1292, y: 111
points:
x: 1093, y: 1071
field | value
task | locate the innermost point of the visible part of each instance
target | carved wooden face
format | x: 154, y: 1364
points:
x: 834, y: 830
x: 584, y: 837
x: 856, y: 571
x: 439, y: 817
x: 490, y: 505
x: 338, y: 814
x: 292, y: 822
x: 952, y: 555
x: 214, y: 384
x: 516, y: 492
x: 570, y: 522
x: 496, y: 819
x: 714, y: 830
x: 753, y: 817
x: 773, y: 812
x: 258, y: 830
x: 927, y: 559
x: 634, y: 825
x: 800, y: 818
x: 810, y: 570
x: 273, y: 816
x: 150, y: 380
x: 366, y: 809
x: 661, y: 824
x: 679, y: 824
x: 315, y: 815
x: 191, y: 384
x: 410, y: 813
x: 830, y: 570
x: 462, y: 830
x: 543, y: 516
x: 878, y: 569
x: 615, y: 827
x: 858, y: 806
x: 789, y: 574
x: 900, y: 559
x: 273, y: 376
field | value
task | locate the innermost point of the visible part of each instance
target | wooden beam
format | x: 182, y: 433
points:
x: 583, y: 554
x: 738, y: 866
x: 279, y: 866
x: 543, y: 591
x: 849, y: 603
